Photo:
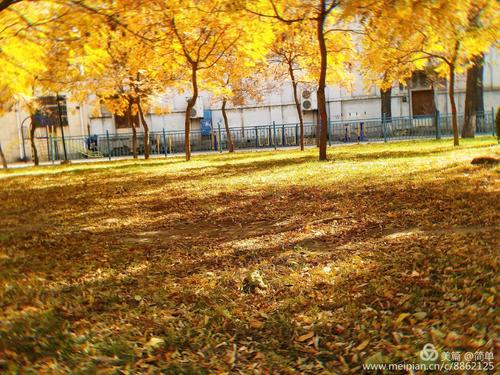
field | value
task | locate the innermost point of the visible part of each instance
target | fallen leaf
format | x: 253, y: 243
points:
x: 256, y: 324
x: 305, y: 337
x: 363, y: 345
x: 420, y: 315
x: 154, y: 343
x: 402, y: 317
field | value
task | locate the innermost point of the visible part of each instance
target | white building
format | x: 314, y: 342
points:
x: 417, y: 98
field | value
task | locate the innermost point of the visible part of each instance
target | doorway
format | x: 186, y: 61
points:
x: 422, y: 103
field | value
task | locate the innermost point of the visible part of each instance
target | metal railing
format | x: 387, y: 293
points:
x: 255, y: 137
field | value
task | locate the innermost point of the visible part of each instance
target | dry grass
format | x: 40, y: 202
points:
x: 371, y: 254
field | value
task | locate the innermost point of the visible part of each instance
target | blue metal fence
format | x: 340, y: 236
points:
x: 262, y: 136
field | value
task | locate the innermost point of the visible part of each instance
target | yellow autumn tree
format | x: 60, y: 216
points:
x: 200, y: 33
x: 125, y: 72
x: 332, y: 22
x: 241, y: 75
x: 445, y: 35
x: 35, y: 55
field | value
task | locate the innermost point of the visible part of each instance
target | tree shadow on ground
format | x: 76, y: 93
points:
x: 348, y: 279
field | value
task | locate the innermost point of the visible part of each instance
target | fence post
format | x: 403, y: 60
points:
x: 165, y: 146
x: 220, y: 138
x: 108, y: 145
x: 283, y: 137
x: 438, y: 125
x: 296, y: 134
x: 384, y: 123
x: 256, y: 137
x: 328, y: 133
x: 493, y: 121
x: 274, y: 135
x: 52, y: 154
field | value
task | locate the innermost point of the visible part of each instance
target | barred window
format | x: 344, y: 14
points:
x: 48, y: 112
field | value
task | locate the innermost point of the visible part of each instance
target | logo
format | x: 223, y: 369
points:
x: 429, y: 353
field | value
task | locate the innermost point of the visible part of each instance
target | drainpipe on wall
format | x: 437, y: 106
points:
x: 446, y: 98
x: 19, y: 132
x: 410, y: 114
x: 242, y: 118
x: 82, y: 128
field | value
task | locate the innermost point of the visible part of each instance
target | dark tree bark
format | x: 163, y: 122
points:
x: 322, y: 80
x: 385, y: 101
x: 189, y: 108
x: 451, y: 94
x: 135, y: 125
x: 474, y: 104
x: 2, y: 157
x: 34, y: 151
x: 226, y: 125
x: 147, y: 146
x: 131, y: 121
x: 297, y: 103
x: 4, y: 4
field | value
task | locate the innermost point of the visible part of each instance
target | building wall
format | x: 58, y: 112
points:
x: 352, y: 103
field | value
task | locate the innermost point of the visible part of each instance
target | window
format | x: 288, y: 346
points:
x: 419, y: 80
x: 48, y: 112
x: 121, y: 122
x: 105, y: 112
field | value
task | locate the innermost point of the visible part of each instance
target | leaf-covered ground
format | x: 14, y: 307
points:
x: 139, y: 266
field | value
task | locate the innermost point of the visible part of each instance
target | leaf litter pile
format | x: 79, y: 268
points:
x: 249, y: 263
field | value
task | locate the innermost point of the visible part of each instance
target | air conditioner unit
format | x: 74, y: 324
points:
x: 197, y: 110
x: 309, y: 100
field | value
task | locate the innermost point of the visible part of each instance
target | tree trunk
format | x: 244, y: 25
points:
x: 131, y: 124
x: 128, y: 115
x: 226, y: 125
x: 474, y: 104
x: 135, y: 124
x: 322, y: 82
x: 147, y: 147
x: 190, y: 105
x: 451, y: 94
x: 2, y: 156
x: 386, y: 108
x: 34, y: 151
x: 297, y: 104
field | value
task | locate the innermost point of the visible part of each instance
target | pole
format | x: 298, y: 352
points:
x: 438, y: 125
x: 274, y: 135
x: 256, y: 138
x: 384, y: 123
x: 493, y: 121
x: 24, y: 145
x: 165, y: 142
x: 108, y: 144
x: 48, y: 145
x: 4, y: 162
x: 220, y: 138
x: 62, y: 127
x: 52, y: 151
x: 296, y: 134
x: 329, y: 133
x: 24, y: 140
